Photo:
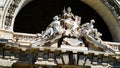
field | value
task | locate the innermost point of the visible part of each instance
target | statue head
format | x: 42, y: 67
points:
x: 92, y: 21
x: 56, y: 18
x: 69, y: 10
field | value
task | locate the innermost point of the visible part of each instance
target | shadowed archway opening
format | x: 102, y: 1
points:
x: 38, y: 14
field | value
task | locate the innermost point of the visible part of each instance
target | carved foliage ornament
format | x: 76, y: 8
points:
x: 10, y: 12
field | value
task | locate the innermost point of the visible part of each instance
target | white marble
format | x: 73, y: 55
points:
x: 2, y: 3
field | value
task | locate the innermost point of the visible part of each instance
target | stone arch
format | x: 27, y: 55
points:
x: 16, y: 5
x: 10, y: 10
x: 40, y: 16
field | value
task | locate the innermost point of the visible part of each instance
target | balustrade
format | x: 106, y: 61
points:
x: 114, y: 45
x: 22, y: 37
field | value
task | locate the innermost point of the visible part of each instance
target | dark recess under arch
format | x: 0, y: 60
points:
x: 38, y: 14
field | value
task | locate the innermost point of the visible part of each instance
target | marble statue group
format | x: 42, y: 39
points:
x: 69, y: 26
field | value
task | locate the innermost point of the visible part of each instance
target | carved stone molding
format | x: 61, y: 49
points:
x: 10, y: 12
x: 114, y: 6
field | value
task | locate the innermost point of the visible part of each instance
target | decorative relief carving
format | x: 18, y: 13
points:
x: 17, y: 1
x: 12, y: 8
x: 10, y: 12
x: 8, y: 20
x: 113, y: 5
